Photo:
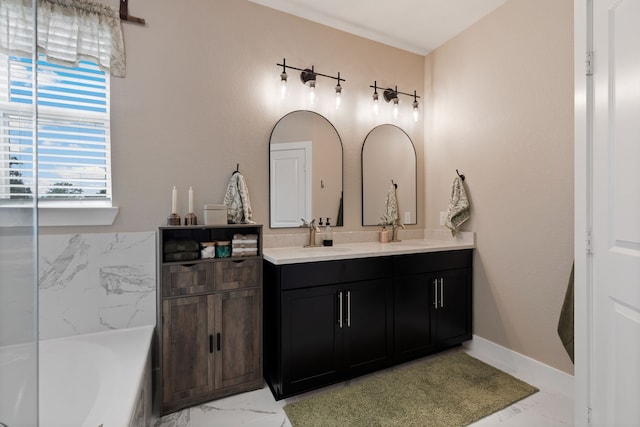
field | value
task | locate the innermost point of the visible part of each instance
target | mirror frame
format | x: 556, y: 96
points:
x: 341, y: 162
x: 415, y: 161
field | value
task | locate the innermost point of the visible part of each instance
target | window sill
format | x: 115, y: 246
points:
x: 69, y: 217
x: 58, y: 216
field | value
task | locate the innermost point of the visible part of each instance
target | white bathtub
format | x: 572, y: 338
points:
x: 100, y: 379
x: 18, y: 385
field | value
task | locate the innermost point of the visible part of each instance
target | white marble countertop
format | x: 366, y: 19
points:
x: 294, y: 255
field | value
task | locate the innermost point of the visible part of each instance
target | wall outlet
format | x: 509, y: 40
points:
x: 443, y: 218
x: 407, y: 217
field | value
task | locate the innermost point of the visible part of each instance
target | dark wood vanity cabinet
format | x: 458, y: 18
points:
x: 332, y: 320
x: 326, y: 321
x: 209, y: 322
x: 432, y: 302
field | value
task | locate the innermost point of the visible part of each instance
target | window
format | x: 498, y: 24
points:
x: 73, y: 132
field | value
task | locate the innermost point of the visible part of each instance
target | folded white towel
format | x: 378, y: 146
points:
x: 245, y: 237
x: 244, y: 251
x: 242, y: 241
x: 459, y: 211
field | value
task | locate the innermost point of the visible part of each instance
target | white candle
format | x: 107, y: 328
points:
x: 190, y: 199
x: 174, y: 199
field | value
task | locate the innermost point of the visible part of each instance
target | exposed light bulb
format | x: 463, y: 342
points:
x: 283, y: 78
x: 312, y: 91
x: 338, y: 95
x: 283, y: 84
x: 395, y: 108
x: 376, y: 106
x: 416, y: 106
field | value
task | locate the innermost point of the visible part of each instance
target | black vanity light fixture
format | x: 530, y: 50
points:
x: 415, y: 106
x: 308, y: 76
x: 391, y: 95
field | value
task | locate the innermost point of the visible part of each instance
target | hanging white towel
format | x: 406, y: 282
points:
x: 391, y: 215
x: 458, y: 206
x: 237, y: 200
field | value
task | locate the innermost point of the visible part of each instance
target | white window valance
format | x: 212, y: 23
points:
x: 68, y: 31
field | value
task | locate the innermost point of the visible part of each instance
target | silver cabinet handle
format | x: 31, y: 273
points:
x: 435, y: 290
x: 348, y: 309
x: 441, y: 293
x: 340, y: 309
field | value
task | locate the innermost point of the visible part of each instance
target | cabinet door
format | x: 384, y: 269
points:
x: 368, y: 325
x: 453, y: 311
x: 311, y: 338
x: 187, y: 365
x: 237, y: 337
x: 413, y: 299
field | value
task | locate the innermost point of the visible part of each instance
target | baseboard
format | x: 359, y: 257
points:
x: 520, y: 366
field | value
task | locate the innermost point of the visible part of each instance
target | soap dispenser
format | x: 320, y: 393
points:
x: 327, y: 239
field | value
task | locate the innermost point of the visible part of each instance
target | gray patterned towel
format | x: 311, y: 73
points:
x: 458, y: 206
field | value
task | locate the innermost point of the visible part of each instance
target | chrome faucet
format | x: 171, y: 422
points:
x: 394, y: 232
x: 313, y: 228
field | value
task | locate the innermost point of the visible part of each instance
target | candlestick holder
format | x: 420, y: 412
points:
x: 173, y: 219
x: 191, y: 219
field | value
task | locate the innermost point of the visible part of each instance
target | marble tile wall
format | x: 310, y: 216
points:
x: 96, y: 282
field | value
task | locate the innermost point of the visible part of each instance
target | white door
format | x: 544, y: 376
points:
x: 290, y: 183
x: 615, y: 358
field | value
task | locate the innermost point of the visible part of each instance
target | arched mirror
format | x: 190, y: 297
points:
x: 388, y: 158
x: 305, y: 171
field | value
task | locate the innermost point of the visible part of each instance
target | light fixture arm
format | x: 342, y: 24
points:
x: 306, y: 72
x: 389, y: 93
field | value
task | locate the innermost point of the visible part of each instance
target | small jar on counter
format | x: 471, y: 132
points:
x: 384, y: 235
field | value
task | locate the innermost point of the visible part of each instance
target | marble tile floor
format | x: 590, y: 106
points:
x: 547, y: 408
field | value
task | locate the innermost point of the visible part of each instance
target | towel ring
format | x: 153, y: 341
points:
x: 461, y: 176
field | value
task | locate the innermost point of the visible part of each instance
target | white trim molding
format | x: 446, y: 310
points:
x: 58, y: 216
x: 525, y: 368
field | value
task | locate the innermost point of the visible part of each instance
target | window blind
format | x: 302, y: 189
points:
x: 73, y: 132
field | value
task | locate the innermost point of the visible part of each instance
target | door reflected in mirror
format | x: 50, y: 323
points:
x: 305, y: 171
x: 388, y: 157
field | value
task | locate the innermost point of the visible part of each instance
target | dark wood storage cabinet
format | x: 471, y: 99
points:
x: 332, y: 320
x: 209, y: 321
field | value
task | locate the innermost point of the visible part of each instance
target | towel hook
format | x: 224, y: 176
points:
x: 461, y: 176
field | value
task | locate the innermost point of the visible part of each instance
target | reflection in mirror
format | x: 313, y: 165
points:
x: 305, y: 171
x: 388, y: 156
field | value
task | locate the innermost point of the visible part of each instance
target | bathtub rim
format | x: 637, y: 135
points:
x: 134, y: 364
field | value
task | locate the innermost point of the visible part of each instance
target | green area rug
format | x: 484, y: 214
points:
x: 450, y: 389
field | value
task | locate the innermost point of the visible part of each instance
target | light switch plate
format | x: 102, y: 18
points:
x: 407, y: 217
x: 443, y: 218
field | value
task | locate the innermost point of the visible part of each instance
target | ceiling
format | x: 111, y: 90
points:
x: 417, y: 26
